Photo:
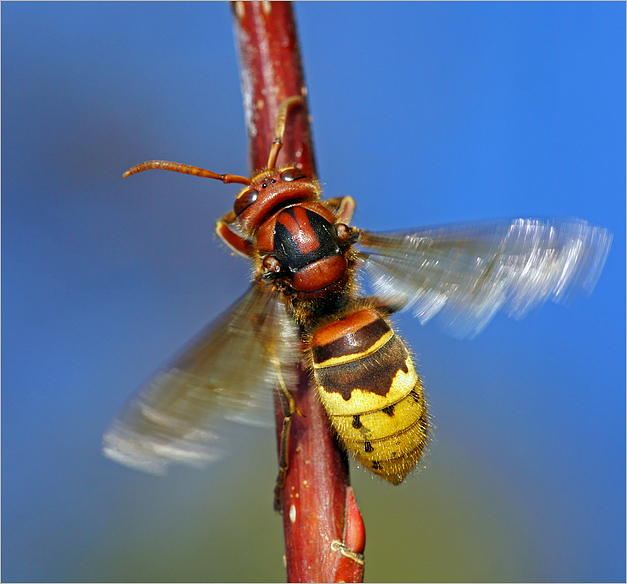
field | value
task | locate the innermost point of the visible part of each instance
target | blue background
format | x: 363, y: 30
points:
x: 425, y: 113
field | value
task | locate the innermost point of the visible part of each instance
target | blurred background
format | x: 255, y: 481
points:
x: 425, y: 113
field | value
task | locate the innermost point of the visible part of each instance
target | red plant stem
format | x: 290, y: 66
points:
x: 324, y: 531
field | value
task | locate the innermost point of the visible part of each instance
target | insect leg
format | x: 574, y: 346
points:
x: 344, y: 208
x: 283, y: 456
x: 288, y: 403
x: 235, y: 241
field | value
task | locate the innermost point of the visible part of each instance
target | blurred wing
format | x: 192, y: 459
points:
x: 469, y: 272
x: 224, y: 372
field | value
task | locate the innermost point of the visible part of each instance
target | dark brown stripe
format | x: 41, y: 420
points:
x: 351, y: 344
x: 374, y: 372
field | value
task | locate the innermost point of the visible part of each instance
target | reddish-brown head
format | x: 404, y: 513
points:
x: 269, y: 191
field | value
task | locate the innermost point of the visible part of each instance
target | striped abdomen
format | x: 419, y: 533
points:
x: 369, y: 387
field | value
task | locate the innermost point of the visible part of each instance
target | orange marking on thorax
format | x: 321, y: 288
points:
x: 300, y: 229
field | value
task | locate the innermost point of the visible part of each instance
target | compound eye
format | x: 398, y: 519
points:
x: 290, y: 174
x: 245, y: 200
